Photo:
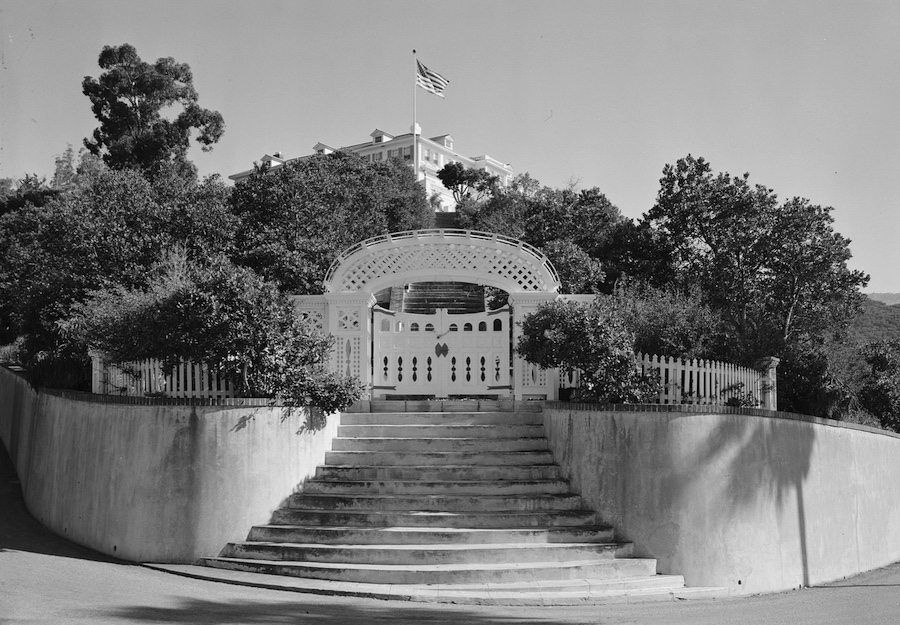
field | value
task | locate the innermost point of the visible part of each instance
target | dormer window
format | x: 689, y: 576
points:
x: 380, y: 136
x: 321, y: 148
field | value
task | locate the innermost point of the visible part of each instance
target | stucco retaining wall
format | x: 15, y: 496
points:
x: 153, y: 483
x: 755, y: 502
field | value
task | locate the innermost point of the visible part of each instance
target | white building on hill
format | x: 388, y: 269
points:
x: 426, y: 155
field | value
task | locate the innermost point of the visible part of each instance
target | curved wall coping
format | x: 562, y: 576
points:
x: 221, y: 402
x: 721, y: 410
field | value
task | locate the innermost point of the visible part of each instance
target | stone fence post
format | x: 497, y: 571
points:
x: 768, y: 382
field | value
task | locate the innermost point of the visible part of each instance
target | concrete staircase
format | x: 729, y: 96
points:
x: 462, y: 506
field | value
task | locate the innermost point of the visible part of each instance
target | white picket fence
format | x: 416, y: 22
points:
x: 697, y: 382
x: 700, y: 382
x: 147, y: 378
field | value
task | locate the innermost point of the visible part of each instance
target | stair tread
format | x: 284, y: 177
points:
x: 431, y: 546
x: 436, y: 495
x: 431, y: 467
x: 453, y: 530
x: 496, y: 566
x: 448, y: 513
x: 433, y: 438
x: 547, y: 481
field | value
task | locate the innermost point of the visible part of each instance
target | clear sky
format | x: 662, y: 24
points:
x: 803, y: 95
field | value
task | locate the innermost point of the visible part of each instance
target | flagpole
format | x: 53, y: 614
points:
x: 415, y: 126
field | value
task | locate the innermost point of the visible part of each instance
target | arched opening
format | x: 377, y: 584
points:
x: 405, y: 307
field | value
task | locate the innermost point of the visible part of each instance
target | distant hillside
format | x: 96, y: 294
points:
x: 887, y: 298
x: 877, y: 321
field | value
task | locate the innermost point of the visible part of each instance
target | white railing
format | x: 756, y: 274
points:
x: 147, y: 379
x: 701, y: 382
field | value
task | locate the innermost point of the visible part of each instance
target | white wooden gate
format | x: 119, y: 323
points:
x: 441, y: 355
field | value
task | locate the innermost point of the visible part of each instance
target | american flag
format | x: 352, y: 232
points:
x: 430, y: 81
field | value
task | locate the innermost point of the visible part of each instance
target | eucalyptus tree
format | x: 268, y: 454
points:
x: 147, y: 113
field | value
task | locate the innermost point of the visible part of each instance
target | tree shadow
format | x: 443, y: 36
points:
x: 313, y: 610
x: 760, y: 459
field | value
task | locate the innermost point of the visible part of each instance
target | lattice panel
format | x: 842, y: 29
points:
x: 314, y: 318
x: 508, y: 265
x: 348, y: 319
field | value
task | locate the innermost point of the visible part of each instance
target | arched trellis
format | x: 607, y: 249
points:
x: 441, y: 255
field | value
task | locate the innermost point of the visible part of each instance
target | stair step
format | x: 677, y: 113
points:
x: 417, y: 535
x: 423, y: 519
x: 441, y: 431
x: 443, y: 487
x: 440, y: 458
x: 497, y: 473
x: 434, y: 503
x: 442, y: 418
x: 606, y: 568
x: 426, y: 445
x: 430, y: 554
x: 581, y: 586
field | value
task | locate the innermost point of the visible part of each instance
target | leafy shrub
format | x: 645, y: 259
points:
x: 590, y: 338
x: 224, y: 316
x: 880, y: 394
x: 667, y: 322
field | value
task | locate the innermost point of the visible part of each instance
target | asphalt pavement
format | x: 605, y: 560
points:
x: 47, y: 579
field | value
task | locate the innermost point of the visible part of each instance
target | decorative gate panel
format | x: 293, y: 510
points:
x: 441, y: 355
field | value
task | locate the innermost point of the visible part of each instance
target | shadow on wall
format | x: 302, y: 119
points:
x: 759, y: 461
x: 754, y: 503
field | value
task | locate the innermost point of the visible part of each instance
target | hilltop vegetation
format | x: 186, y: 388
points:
x: 877, y: 321
x: 887, y: 298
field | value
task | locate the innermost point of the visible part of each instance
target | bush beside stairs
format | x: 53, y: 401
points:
x: 460, y: 506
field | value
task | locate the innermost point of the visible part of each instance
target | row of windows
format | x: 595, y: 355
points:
x: 467, y: 327
x: 404, y: 153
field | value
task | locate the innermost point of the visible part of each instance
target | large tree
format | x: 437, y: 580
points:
x: 107, y: 230
x: 466, y: 183
x: 777, y: 272
x: 296, y: 218
x: 147, y: 112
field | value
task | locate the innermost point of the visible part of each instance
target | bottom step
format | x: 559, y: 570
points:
x: 529, y: 572
x: 645, y: 589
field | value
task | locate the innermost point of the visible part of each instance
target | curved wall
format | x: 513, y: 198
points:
x: 755, y: 501
x: 153, y: 483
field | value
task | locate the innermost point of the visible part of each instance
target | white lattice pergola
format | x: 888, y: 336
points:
x: 430, y: 256
x: 442, y: 255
